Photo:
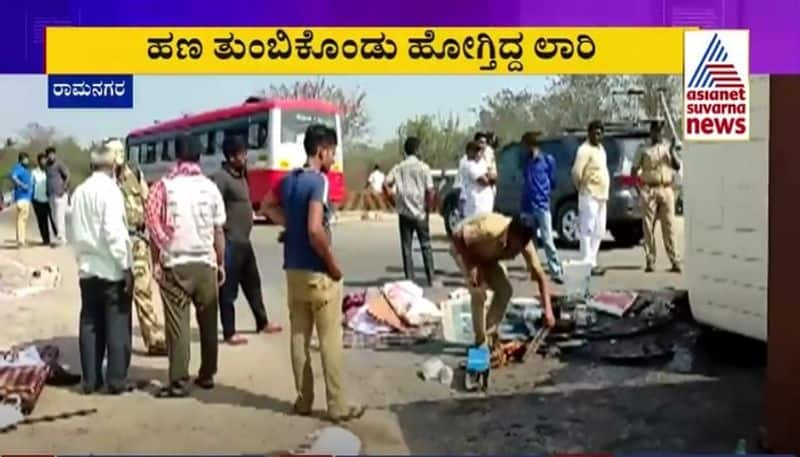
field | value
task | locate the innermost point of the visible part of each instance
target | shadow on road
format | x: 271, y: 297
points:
x: 150, y: 378
x: 708, y: 409
x: 693, y: 416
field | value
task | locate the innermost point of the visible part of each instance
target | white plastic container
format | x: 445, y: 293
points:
x: 577, y: 278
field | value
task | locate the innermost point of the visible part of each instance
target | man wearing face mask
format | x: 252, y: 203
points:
x: 241, y: 267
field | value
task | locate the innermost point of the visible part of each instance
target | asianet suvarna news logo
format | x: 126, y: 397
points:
x: 716, y: 85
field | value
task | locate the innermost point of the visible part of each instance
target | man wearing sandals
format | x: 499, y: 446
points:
x: 241, y: 267
x: 313, y: 278
x: 185, y: 217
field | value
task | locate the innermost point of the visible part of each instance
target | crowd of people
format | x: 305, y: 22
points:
x: 45, y: 187
x: 191, y: 234
x: 482, y: 239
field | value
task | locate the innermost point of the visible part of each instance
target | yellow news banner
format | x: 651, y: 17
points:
x: 363, y: 51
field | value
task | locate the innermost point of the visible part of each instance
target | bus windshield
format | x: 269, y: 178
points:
x: 294, y: 124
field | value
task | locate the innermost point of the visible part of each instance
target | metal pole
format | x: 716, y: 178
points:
x: 668, y: 115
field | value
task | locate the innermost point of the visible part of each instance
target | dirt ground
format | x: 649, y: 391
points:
x: 572, y: 405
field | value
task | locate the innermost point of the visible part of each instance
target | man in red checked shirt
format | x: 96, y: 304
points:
x: 185, y: 215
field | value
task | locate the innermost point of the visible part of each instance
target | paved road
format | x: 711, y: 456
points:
x: 584, y: 407
x: 370, y: 255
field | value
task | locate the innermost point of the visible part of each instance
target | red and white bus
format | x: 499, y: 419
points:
x: 274, y: 129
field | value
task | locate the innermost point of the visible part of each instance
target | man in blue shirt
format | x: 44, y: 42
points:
x: 313, y: 276
x: 539, y: 180
x: 23, y: 192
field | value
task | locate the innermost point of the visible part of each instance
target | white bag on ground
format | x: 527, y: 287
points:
x: 423, y: 311
x: 334, y: 441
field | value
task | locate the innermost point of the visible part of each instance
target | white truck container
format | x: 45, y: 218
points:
x: 726, y: 225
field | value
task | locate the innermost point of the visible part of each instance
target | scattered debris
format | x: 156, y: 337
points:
x: 331, y: 441
x: 430, y: 368
x: 24, y: 373
x: 682, y: 360
x: 477, y: 369
x: 10, y: 413
x: 446, y: 375
x: 18, y: 280
x: 577, y: 279
x: 615, y: 302
x: 39, y: 419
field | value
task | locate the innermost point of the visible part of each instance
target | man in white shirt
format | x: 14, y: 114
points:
x: 41, y: 203
x: 100, y: 238
x: 476, y: 182
x: 185, y: 215
x: 375, y: 180
x: 487, y: 151
x: 374, y: 198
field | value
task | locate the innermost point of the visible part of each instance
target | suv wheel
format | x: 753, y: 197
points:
x: 567, y: 225
x: 451, y: 215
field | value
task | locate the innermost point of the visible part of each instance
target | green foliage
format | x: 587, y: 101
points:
x: 34, y: 138
x: 568, y: 101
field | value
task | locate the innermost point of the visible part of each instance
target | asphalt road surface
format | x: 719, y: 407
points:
x: 544, y: 405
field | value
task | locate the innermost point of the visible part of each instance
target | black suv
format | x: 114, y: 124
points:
x: 624, y: 219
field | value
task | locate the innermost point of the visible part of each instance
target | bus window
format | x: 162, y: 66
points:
x: 133, y: 154
x: 294, y: 124
x: 159, y: 152
x: 240, y: 129
x: 165, y: 155
x: 202, y: 137
x: 257, y: 135
x: 219, y: 137
x: 150, y: 157
x: 171, y: 150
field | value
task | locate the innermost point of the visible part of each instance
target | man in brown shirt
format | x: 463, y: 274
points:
x: 655, y: 165
x: 482, y: 242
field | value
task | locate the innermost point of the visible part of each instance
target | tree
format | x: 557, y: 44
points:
x: 36, y: 137
x: 572, y: 101
x: 651, y: 103
x: 443, y: 138
x: 509, y: 114
x: 355, y: 119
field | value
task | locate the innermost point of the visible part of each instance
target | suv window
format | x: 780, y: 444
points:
x: 563, y: 150
x: 619, y: 151
x: 628, y: 148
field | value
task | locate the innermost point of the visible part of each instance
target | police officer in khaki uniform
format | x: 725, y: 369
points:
x: 655, y: 164
x: 483, y: 242
x: 134, y: 190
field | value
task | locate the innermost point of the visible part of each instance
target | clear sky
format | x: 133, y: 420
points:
x: 390, y: 100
